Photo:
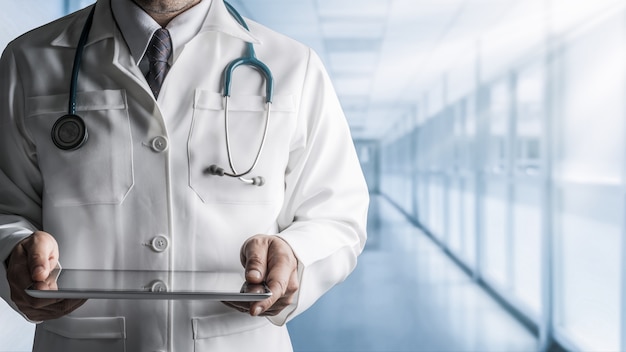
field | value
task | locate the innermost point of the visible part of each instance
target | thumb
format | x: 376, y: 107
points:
x: 254, y: 258
x: 42, y: 255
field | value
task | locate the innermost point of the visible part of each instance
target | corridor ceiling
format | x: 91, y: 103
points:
x: 382, y: 55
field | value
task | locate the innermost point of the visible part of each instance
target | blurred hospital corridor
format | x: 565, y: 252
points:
x: 492, y: 135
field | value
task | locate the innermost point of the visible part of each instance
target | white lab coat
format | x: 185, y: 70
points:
x: 108, y: 200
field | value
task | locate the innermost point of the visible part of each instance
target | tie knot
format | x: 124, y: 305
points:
x: 160, y: 46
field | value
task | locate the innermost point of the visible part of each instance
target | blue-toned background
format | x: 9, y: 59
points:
x: 492, y: 136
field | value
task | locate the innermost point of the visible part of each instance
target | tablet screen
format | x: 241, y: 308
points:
x: 137, y: 284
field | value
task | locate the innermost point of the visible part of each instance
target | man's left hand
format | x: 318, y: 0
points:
x: 271, y: 260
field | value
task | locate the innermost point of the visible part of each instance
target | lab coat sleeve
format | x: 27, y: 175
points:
x: 325, y: 211
x: 20, y: 180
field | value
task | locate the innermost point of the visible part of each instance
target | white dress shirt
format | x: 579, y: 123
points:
x: 137, y: 28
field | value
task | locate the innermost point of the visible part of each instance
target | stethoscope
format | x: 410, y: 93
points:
x: 69, y: 132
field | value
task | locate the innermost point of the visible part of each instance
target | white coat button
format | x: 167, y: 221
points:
x: 157, y: 286
x: 159, y: 144
x: 159, y: 243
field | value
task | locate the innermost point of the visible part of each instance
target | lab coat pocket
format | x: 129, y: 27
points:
x: 98, y: 172
x: 99, y: 334
x: 247, y: 117
x: 236, y: 332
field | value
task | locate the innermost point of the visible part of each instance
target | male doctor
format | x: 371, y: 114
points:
x: 135, y: 195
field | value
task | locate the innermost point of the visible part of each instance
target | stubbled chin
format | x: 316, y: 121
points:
x: 164, y: 7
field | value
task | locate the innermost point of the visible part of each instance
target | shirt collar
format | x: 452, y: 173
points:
x: 137, y: 26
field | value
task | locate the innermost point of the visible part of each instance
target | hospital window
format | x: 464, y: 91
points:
x: 589, y: 187
x: 495, y: 240
x: 526, y: 213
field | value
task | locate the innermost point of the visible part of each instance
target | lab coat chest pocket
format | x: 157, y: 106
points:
x: 247, y: 116
x: 100, y: 171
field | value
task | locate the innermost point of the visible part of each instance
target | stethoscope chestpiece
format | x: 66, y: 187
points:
x: 69, y: 132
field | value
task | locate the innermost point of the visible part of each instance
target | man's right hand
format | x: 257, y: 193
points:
x: 30, y: 263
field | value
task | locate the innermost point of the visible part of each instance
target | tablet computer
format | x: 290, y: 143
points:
x: 140, y: 284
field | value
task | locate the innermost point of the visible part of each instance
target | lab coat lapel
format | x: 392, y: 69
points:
x: 105, y: 28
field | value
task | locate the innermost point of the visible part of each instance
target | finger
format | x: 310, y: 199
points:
x: 278, y: 289
x: 56, y: 310
x: 61, y: 307
x: 22, y: 299
x: 282, y: 265
x: 43, y: 303
x: 17, y: 270
x: 275, y: 309
x: 287, y: 299
x: 19, y: 278
x: 240, y: 306
x: 42, y: 252
x: 40, y: 303
x: 47, y: 285
x: 254, y: 288
x: 254, y: 256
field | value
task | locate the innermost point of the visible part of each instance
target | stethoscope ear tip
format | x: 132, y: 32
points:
x: 218, y: 171
x: 258, y: 181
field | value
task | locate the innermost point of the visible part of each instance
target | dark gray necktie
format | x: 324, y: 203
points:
x: 158, y: 52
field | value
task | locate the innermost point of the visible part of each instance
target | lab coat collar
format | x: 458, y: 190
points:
x: 103, y: 27
x: 218, y: 19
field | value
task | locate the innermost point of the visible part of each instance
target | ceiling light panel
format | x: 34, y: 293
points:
x: 473, y: 19
x: 353, y: 62
x: 352, y: 8
x: 352, y: 27
x: 409, y: 10
x: 353, y: 45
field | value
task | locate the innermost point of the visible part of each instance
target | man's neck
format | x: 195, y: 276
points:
x: 161, y: 16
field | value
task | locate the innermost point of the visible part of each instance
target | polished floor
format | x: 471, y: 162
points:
x: 405, y: 295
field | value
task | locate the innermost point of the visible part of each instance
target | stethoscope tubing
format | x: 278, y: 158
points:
x: 248, y: 59
x: 228, y: 149
x: 259, y: 66
x: 76, y: 140
x: 78, y: 60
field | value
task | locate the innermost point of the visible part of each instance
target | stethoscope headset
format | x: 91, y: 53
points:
x: 69, y: 132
